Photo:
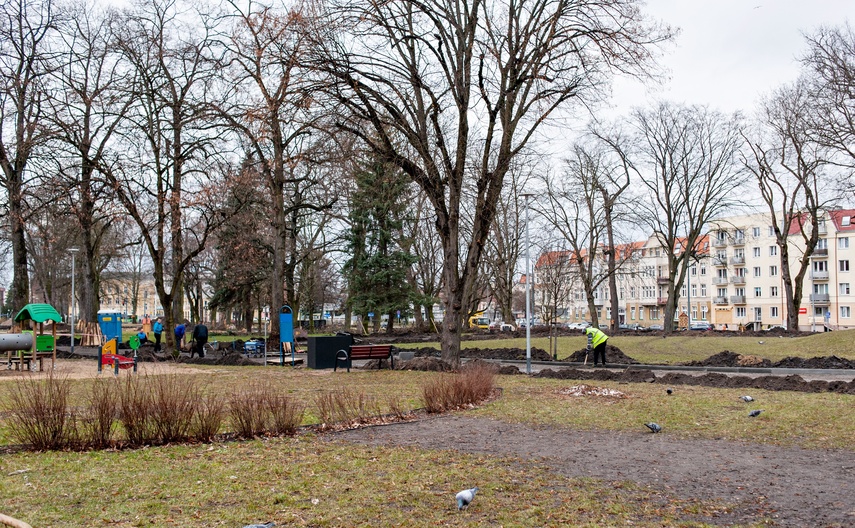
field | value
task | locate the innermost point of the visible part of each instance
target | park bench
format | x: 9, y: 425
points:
x: 380, y: 352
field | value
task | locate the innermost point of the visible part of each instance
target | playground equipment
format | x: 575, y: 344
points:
x: 108, y: 355
x: 25, y: 348
x: 286, y: 334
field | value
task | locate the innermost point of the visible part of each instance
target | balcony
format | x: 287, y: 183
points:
x: 819, y: 298
x: 819, y: 275
x: 719, y: 300
x: 737, y: 260
x: 662, y: 301
x: 663, y: 280
x: 737, y: 279
x: 737, y: 299
x: 719, y: 243
x: 820, y: 252
x: 821, y: 229
x: 719, y: 261
x: 599, y: 301
x: 650, y: 302
x: 739, y: 241
x: 719, y: 280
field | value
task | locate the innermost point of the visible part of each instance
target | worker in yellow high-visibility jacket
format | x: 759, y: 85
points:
x: 597, y: 340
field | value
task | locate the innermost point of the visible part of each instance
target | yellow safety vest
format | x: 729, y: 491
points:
x: 596, y: 335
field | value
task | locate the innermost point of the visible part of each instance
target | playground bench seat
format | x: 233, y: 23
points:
x: 365, y: 352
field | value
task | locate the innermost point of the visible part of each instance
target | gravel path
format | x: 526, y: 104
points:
x: 792, y: 486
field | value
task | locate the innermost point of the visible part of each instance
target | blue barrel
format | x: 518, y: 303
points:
x: 110, y: 322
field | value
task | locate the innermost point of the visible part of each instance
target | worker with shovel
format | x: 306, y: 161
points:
x: 596, y: 340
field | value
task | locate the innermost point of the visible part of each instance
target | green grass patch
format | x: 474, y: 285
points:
x: 682, y: 347
x: 310, y: 481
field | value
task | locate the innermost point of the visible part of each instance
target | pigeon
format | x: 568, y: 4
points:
x: 746, y: 399
x: 653, y: 426
x: 465, y: 497
x: 755, y: 412
x: 268, y: 525
x: 669, y: 391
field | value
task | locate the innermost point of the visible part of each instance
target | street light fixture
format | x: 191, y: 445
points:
x: 527, y: 294
x: 73, y: 252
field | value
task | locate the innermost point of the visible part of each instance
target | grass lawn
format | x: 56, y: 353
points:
x: 316, y: 480
x: 684, y: 346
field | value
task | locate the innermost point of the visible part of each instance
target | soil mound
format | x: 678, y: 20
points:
x: 732, y: 359
x: 537, y: 354
x: 825, y: 362
x: 613, y: 355
x: 423, y: 363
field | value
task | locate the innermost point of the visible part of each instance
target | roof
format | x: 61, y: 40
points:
x: 38, y: 313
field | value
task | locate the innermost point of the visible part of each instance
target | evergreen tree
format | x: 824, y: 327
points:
x: 377, y: 269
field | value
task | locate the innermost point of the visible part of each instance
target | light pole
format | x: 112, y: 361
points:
x: 73, y: 252
x: 527, y: 294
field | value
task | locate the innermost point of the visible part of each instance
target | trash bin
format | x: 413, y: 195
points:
x: 110, y: 323
x: 322, y: 350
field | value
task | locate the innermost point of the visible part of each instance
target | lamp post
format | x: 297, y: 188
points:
x: 73, y: 252
x: 527, y: 293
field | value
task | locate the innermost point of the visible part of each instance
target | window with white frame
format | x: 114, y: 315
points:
x: 771, y: 230
x: 757, y: 252
x: 703, y: 290
x: 845, y: 312
x: 773, y: 271
x: 843, y: 288
x: 693, y: 271
x: 704, y: 311
x: 843, y: 243
x: 632, y: 313
x: 773, y: 250
x: 694, y: 290
x: 756, y: 271
x: 773, y: 311
x: 703, y: 269
x: 773, y: 291
x: 740, y: 311
x: 755, y: 231
x: 844, y: 265
x: 758, y: 292
x: 641, y: 314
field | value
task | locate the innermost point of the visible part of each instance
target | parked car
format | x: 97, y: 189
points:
x: 658, y: 327
x: 501, y: 326
x: 700, y: 326
x: 633, y: 326
x: 578, y: 326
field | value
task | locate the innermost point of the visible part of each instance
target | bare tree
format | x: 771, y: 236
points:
x: 831, y: 71
x: 788, y: 164
x: 465, y: 85
x: 686, y: 161
x: 554, y: 281
x: 26, y: 27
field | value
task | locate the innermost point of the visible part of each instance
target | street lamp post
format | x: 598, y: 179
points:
x: 527, y: 293
x: 73, y: 252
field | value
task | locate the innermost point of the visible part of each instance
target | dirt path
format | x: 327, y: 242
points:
x: 795, y: 487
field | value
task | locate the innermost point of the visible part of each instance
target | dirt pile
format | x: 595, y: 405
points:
x: 732, y: 359
x: 537, y: 354
x: 424, y: 363
x: 711, y: 379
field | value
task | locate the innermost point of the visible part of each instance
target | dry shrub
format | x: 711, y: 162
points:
x: 136, y: 410
x: 286, y: 415
x: 40, y: 415
x: 248, y: 411
x: 395, y: 407
x: 98, y: 419
x: 174, y: 403
x: 471, y: 386
x: 346, y: 407
x: 209, y: 417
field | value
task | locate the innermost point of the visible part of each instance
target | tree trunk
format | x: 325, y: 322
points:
x: 20, y: 294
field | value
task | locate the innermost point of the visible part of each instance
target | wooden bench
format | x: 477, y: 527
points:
x: 380, y: 352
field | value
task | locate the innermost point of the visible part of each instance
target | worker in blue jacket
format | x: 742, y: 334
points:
x: 597, y: 340
x: 157, y: 329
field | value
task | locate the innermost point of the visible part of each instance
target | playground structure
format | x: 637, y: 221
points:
x: 33, y: 344
x: 108, y: 355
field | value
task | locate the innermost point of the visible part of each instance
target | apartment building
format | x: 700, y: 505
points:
x: 734, y: 279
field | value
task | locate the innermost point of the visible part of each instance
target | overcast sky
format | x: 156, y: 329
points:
x: 731, y: 52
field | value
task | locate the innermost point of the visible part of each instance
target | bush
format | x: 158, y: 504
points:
x: 40, y: 415
x: 285, y: 414
x: 248, y: 411
x: 174, y: 403
x: 346, y: 407
x: 98, y: 419
x: 135, y: 411
x: 208, y: 417
x: 447, y: 392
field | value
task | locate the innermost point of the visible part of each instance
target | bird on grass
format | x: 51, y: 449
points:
x: 465, y: 497
x: 268, y: 525
x: 755, y: 413
x: 746, y: 399
x: 669, y: 391
x: 654, y: 427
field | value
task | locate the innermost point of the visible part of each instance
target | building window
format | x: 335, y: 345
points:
x: 703, y: 290
x: 704, y: 311
x: 844, y: 288
x: 773, y: 311
x: 641, y: 314
x: 773, y: 271
x: 755, y: 231
x: 844, y: 265
x: 773, y: 291
x: 757, y: 252
x: 771, y: 230
x: 694, y: 290
x: 740, y: 311
x: 773, y: 250
x: 758, y: 292
x: 756, y: 271
x: 843, y: 243
x: 703, y: 269
x: 845, y: 312
x: 693, y: 271
x: 632, y: 313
